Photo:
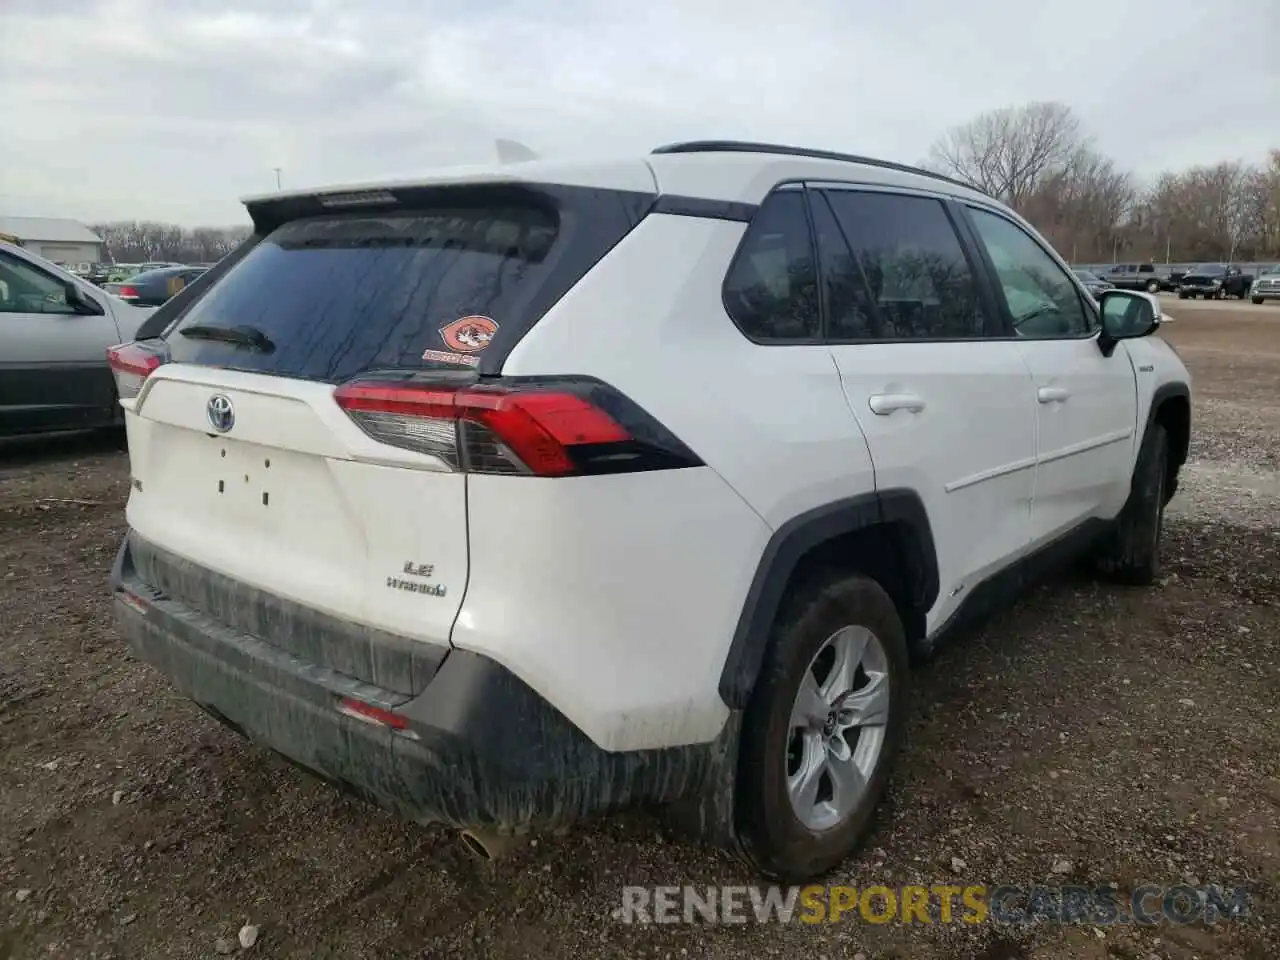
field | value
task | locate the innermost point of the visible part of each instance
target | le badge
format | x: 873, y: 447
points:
x: 465, y: 337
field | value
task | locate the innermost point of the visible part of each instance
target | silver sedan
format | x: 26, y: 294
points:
x: 54, y: 333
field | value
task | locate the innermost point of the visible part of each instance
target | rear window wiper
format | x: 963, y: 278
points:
x: 243, y: 335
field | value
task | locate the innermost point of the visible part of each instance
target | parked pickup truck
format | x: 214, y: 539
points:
x: 1150, y: 277
x: 1216, y: 280
x: 1267, y: 286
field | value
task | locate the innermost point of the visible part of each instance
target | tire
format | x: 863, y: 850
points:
x: 1257, y: 301
x: 1131, y: 551
x: 1153, y: 286
x: 1221, y: 294
x: 1181, y: 295
x: 816, y: 622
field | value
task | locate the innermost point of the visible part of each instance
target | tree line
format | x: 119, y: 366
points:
x: 1036, y: 159
x: 142, y: 241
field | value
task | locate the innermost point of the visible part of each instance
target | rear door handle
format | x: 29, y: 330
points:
x: 1052, y: 395
x: 883, y: 404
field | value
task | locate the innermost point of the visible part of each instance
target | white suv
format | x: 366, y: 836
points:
x: 521, y: 493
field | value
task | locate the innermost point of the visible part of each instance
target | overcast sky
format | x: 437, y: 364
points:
x: 173, y: 109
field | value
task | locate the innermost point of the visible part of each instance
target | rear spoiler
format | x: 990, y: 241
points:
x: 495, y: 185
x: 272, y: 209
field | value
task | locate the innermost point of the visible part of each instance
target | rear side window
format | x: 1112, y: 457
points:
x: 771, y: 291
x: 899, y: 271
x: 337, y: 295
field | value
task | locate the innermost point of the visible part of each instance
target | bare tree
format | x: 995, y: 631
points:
x: 1035, y: 158
x: 1206, y: 213
x: 135, y: 241
x: 1083, y: 205
x: 1010, y: 152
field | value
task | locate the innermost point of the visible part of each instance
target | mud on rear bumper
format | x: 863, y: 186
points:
x: 483, y: 751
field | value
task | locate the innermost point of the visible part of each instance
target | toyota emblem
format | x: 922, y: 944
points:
x: 222, y: 416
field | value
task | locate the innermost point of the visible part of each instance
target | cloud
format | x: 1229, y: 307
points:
x: 175, y: 108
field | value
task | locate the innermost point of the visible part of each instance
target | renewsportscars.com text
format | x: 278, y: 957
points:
x: 1146, y: 905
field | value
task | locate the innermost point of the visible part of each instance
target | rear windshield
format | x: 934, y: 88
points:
x: 338, y: 295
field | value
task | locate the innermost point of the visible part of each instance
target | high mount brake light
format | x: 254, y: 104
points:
x: 131, y: 364
x: 546, y: 430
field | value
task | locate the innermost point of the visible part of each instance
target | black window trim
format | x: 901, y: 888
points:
x: 984, y: 272
x: 987, y: 296
x: 978, y: 265
x: 1082, y: 297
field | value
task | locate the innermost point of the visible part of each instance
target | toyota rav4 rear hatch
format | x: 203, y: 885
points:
x: 278, y: 484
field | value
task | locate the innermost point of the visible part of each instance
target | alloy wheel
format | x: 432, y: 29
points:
x: 837, y: 729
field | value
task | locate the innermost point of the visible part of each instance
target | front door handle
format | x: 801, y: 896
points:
x: 1052, y: 395
x: 883, y: 404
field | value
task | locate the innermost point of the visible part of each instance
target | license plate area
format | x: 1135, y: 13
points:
x: 244, y: 476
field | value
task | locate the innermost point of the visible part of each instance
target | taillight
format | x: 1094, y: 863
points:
x: 128, y: 291
x: 131, y: 364
x: 539, y: 428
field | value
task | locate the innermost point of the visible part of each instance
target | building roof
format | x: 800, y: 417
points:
x: 47, y: 230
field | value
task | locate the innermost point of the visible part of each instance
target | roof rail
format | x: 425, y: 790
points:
x: 745, y: 146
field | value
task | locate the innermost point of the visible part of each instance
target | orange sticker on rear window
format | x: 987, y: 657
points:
x: 468, y: 334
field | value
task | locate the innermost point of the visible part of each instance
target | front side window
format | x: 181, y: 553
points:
x: 1042, y: 300
x: 771, y: 291
x: 26, y: 289
x: 900, y: 270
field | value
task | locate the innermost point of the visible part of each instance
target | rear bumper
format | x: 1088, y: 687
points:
x: 482, y: 749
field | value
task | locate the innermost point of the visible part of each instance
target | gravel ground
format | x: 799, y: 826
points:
x: 1118, y: 735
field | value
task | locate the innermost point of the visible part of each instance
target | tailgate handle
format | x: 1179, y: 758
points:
x: 883, y: 404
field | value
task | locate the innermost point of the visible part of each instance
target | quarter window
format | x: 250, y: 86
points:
x: 898, y: 270
x: 771, y: 291
x: 1042, y: 299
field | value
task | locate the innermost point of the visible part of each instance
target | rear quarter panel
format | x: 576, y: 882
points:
x: 643, y: 617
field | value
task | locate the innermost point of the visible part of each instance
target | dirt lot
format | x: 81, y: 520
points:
x: 1132, y: 733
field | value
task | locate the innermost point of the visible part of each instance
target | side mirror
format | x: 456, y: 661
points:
x: 83, y: 303
x: 1126, y: 314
